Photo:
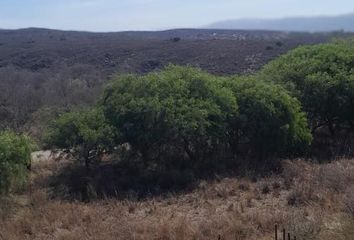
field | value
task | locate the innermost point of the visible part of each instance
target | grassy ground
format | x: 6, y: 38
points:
x: 312, y: 201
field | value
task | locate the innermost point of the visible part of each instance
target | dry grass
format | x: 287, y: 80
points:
x: 311, y: 200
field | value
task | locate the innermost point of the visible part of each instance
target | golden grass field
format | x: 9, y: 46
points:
x: 311, y: 200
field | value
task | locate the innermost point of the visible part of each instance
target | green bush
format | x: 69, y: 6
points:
x: 176, y: 114
x: 86, y: 133
x: 183, y: 118
x: 185, y: 114
x: 322, y: 78
x: 15, y: 158
x: 269, y: 121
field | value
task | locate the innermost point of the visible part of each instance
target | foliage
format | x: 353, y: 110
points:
x: 15, y: 158
x: 322, y: 77
x: 178, y: 113
x: 270, y: 121
x: 85, y: 132
x: 185, y: 114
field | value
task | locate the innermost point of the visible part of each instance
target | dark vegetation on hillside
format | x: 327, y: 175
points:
x: 45, y: 72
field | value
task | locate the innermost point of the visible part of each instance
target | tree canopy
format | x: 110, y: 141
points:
x: 269, y: 121
x: 84, y: 132
x: 180, y: 111
x: 185, y: 113
x: 322, y: 78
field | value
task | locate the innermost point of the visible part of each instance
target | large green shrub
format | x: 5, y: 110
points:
x: 322, y: 77
x: 269, y: 121
x: 15, y: 158
x: 85, y: 133
x: 178, y: 113
x: 183, y: 113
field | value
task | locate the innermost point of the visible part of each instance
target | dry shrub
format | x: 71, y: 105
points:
x: 215, y: 210
x: 235, y: 228
x: 6, y: 207
x: 262, y: 219
x: 293, y: 170
x: 226, y: 226
x: 302, y: 194
x: 38, y: 198
x: 265, y: 189
x: 178, y: 229
x: 349, y: 203
x: 347, y: 231
x: 244, y: 186
x: 59, y: 220
x: 320, y: 183
x: 334, y: 176
x: 276, y: 185
x: 337, y: 227
x: 304, y: 224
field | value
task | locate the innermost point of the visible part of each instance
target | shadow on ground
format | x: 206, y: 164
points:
x: 117, y: 180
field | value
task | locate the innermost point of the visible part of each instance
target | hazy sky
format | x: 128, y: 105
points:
x: 114, y: 15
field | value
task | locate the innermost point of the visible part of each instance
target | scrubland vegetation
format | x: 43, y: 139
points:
x: 313, y: 201
x: 183, y: 154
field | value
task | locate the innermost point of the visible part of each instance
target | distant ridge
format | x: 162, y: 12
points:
x: 297, y: 24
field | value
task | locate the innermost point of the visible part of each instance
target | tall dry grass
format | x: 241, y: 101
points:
x: 313, y: 201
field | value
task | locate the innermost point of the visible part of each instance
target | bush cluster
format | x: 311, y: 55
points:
x: 182, y: 117
x: 178, y: 113
x: 322, y: 78
x: 84, y: 132
x: 15, y: 159
x: 269, y: 121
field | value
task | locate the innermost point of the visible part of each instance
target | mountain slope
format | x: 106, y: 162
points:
x: 301, y: 24
x: 48, y: 69
x: 217, y: 51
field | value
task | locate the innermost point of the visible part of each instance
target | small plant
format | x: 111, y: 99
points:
x: 276, y: 185
x: 279, y: 43
x: 265, y: 189
x: 176, y: 39
x: 244, y: 186
x: 349, y: 203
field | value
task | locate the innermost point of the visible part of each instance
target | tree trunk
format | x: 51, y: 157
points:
x: 86, y: 157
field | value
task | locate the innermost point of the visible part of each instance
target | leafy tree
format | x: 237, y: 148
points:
x: 15, y: 158
x: 322, y: 77
x: 270, y: 122
x: 178, y: 113
x: 86, y: 133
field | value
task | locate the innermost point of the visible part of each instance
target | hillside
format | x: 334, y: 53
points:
x: 218, y: 51
x: 300, y: 24
x: 43, y: 72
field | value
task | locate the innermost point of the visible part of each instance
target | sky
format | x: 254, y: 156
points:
x: 121, y: 15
